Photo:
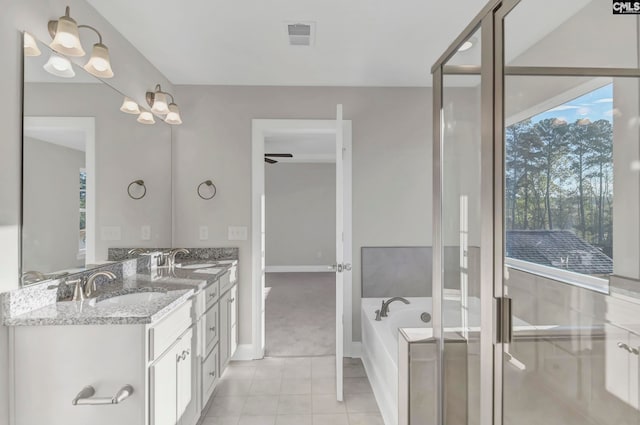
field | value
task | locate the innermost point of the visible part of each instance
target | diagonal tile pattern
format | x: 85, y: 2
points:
x: 292, y: 391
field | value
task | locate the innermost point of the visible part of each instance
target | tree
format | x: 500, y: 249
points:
x: 553, y: 136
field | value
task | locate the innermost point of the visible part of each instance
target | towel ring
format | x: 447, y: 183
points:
x: 212, y: 188
x: 139, y: 183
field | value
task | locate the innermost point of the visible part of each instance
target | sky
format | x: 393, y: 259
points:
x: 596, y: 105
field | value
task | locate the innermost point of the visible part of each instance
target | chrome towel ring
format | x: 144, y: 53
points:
x: 139, y: 183
x: 212, y: 190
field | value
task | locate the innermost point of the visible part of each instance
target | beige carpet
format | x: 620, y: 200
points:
x: 300, y: 314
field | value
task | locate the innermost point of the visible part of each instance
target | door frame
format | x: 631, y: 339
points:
x: 260, y: 128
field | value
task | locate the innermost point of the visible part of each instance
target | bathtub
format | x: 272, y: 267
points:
x: 380, y: 347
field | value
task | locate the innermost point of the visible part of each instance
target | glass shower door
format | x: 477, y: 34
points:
x: 570, y: 222
x: 461, y: 225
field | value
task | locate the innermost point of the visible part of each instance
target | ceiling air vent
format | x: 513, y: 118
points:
x: 300, y: 34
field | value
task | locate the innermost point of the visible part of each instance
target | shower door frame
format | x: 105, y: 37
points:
x: 495, y: 318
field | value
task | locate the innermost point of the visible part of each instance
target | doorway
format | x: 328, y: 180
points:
x: 300, y: 246
x: 341, y: 264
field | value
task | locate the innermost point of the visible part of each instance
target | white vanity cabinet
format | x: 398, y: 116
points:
x: 52, y: 364
x: 217, y: 318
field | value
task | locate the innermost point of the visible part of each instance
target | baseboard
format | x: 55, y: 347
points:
x: 244, y: 352
x: 297, y: 269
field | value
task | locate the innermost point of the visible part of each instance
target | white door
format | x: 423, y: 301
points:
x: 339, y: 251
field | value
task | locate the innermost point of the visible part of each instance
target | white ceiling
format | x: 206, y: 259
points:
x: 303, y: 147
x: 243, y: 42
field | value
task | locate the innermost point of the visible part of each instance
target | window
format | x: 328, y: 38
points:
x: 82, y: 225
x: 559, y: 187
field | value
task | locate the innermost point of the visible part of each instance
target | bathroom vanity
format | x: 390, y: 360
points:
x: 168, y: 336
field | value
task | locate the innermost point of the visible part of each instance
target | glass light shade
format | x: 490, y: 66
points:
x: 67, y: 40
x: 146, y: 117
x: 129, y: 106
x: 59, y: 66
x: 160, y: 105
x: 173, y: 117
x: 30, y: 45
x: 99, y: 64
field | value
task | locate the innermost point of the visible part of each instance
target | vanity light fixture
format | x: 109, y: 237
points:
x: 129, y: 106
x: 157, y: 99
x: 59, y: 66
x: 146, y: 117
x: 30, y: 45
x: 67, y: 41
x: 173, y: 117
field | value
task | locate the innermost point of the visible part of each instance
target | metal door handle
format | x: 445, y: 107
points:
x: 212, y: 295
x: 84, y: 397
x: 231, y: 300
x: 212, y: 328
x: 212, y: 374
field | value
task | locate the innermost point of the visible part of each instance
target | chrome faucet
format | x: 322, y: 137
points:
x: 384, y: 310
x: 135, y: 251
x: 85, y: 287
x: 171, y: 257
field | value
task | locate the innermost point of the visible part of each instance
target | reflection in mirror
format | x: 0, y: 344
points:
x: 80, y: 153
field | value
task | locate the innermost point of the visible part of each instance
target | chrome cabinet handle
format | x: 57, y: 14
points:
x: 231, y: 300
x: 212, y: 374
x: 84, y: 397
x: 212, y: 328
x: 184, y: 355
x: 629, y: 349
x: 212, y: 295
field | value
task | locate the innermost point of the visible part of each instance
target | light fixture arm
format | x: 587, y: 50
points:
x: 94, y: 30
x: 151, y: 95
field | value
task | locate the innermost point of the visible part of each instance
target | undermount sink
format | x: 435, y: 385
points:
x: 196, y: 266
x: 134, y: 298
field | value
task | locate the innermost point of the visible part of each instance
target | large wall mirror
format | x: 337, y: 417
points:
x: 81, y: 154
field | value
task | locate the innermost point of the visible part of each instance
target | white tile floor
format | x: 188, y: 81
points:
x: 292, y: 391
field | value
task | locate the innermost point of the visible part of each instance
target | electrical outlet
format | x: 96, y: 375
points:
x: 237, y: 233
x: 204, y: 233
x: 111, y: 233
x: 145, y: 233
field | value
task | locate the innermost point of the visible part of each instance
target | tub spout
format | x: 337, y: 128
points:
x: 385, y: 305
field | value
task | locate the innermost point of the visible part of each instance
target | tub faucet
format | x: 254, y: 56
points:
x: 384, y: 311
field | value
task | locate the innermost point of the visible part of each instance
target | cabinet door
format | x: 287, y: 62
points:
x: 186, y: 400
x: 163, y: 377
x: 233, y: 320
x: 634, y: 371
x: 617, y: 362
x: 225, y: 327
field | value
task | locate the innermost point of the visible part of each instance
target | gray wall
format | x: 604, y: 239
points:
x: 51, y: 175
x: 300, y: 214
x: 134, y: 75
x: 391, y: 166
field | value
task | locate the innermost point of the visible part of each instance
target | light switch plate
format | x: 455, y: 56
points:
x: 145, y: 233
x: 111, y: 233
x: 204, y: 233
x: 237, y: 233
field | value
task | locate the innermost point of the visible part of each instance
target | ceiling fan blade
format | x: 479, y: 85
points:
x: 279, y: 155
x: 270, y: 161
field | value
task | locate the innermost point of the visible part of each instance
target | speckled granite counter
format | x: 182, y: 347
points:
x: 175, y: 285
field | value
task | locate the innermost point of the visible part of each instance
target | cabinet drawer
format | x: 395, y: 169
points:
x: 209, y: 376
x: 212, y: 293
x: 211, y: 329
x: 162, y: 335
x: 225, y: 282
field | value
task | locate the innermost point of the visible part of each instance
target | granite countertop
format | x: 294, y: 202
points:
x: 176, y: 286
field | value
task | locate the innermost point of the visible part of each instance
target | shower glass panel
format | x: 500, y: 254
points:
x: 571, y: 217
x: 460, y: 153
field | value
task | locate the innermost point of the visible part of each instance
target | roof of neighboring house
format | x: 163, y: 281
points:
x: 558, y: 248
